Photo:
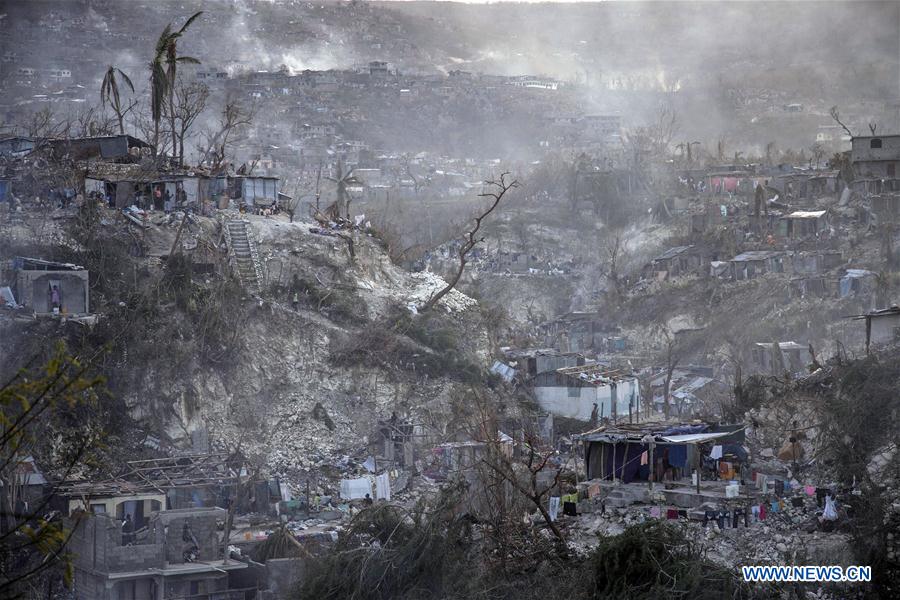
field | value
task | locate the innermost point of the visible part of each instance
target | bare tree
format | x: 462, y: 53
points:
x: 109, y: 93
x: 45, y: 124
x: 817, y: 152
x: 189, y: 103
x: 234, y: 117
x: 470, y: 239
x: 616, y: 251
x: 651, y: 141
x: 837, y: 118
x: 90, y: 122
x: 671, y: 356
x: 522, y: 474
x: 407, y: 170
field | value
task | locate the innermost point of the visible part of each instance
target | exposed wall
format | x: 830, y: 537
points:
x: 97, y: 546
x: 284, y: 574
x: 863, y: 150
x: 202, y: 523
x: 578, y: 402
x: 33, y: 287
x: 883, y: 329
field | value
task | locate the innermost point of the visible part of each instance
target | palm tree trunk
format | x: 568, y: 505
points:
x: 119, y: 116
x: 172, y: 123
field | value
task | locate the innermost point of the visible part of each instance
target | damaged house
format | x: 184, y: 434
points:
x: 802, y: 224
x: 768, y: 358
x: 876, y: 156
x: 624, y: 452
x: 580, y: 331
x: 882, y: 327
x: 689, y: 387
x: 46, y: 288
x: 755, y: 263
x: 574, y: 392
x: 177, y: 554
x: 676, y: 261
x: 111, y: 147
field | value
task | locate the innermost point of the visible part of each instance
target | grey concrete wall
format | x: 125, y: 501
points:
x: 90, y: 587
x: 557, y: 399
x: 883, y: 329
x: 284, y: 574
x: 862, y: 148
x: 203, y: 525
x: 32, y: 289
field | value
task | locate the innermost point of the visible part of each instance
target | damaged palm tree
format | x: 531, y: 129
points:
x: 341, y: 208
x: 470, y: 238
x: 109, y: 93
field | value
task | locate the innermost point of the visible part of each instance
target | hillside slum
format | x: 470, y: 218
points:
x: 298, y: 333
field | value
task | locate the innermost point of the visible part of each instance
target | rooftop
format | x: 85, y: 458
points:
x: 881, y: 312
x: 756, y: 255
x: 672, y: 253
x: 36, y: 264
x: 805, y: 214
x: 596, y: 374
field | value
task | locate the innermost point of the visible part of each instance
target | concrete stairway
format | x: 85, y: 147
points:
x: 245, y: 260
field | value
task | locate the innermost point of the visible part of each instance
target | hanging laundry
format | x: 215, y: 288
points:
x: 554, y: 507
x: 762, y: 511
x: 779, y: 487
x: 773, y: 507
x: 654, y: 512
x: 671, y: 513
x: 645, y: 457
x: 830, y: 512
x: 755, y: 511
x: 352, y: 489
x: 370, y: 464
x: 716, y: 452
x: 810, y: 490
x: 382, y: 487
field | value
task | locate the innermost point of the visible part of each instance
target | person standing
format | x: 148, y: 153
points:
x: 55, y: 297
x: 127, y: 531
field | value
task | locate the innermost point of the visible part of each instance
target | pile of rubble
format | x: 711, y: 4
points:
x: 428, y: 285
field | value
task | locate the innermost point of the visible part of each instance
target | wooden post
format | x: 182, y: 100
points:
x: 614, y: 462
x: 697, y: 464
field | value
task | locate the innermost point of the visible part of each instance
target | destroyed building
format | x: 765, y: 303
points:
x: 51, y: 288
x: 176, y: 554
x: 876, y: 156
x: 882, y: 327
x: 586, y: 392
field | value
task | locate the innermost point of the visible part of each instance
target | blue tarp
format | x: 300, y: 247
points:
x: 685, y: 429
x: 677, y: 454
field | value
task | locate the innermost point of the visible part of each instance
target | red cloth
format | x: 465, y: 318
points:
x: 762, y: 511
x: 671, y: 513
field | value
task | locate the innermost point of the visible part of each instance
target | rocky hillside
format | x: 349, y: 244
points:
x: 188, y: 351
